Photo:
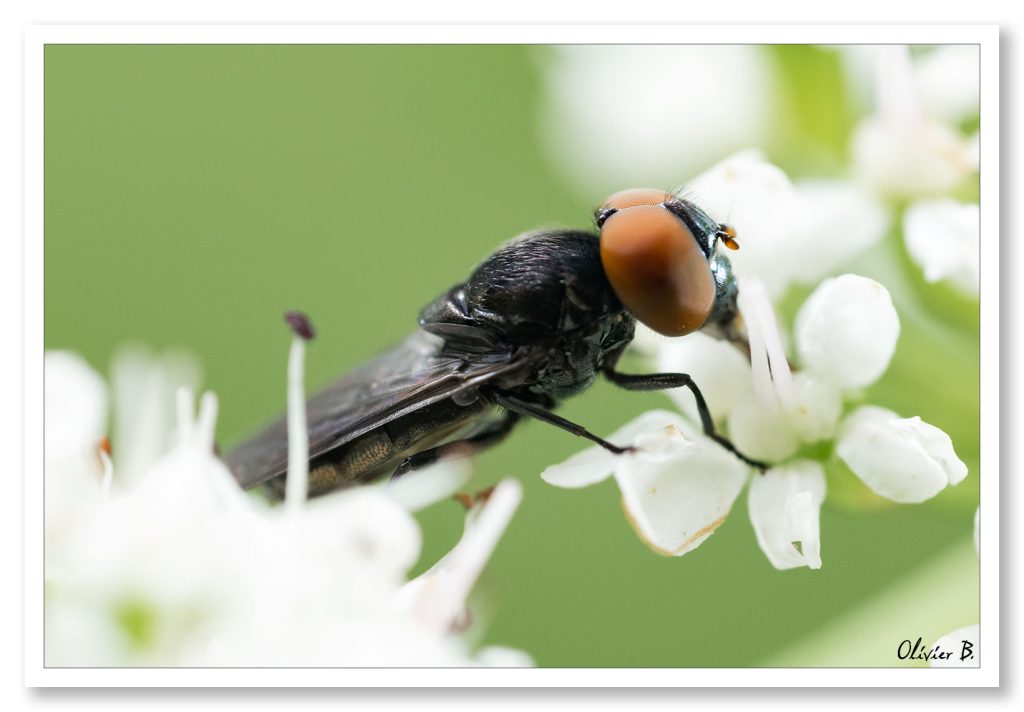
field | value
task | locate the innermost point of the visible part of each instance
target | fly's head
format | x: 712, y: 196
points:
x: 661, y: 255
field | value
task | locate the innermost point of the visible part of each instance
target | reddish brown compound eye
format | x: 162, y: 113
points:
x: 657, y: 268
x: 634, y: 197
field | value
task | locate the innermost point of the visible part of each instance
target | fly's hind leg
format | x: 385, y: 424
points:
x: 459, y: 448
x: 663, y: 381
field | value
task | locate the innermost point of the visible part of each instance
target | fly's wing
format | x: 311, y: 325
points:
x: 398, y: 382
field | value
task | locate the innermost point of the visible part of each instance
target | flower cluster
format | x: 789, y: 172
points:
x: 912, y: 149
x: 911, y: 158
x: 173, y: 564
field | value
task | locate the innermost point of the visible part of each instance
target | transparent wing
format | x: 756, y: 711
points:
x: 400, y: 381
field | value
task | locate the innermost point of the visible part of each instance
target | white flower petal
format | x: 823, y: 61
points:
x: 144, y: 386
x: 943, y: 238
x: 429, y: 485
x: 361, y: 525
x: 847, y: 329
x: 639, y: 133
x: 75, y: 421
x: 760, y: 432
x: 818, y: 224
x: 895, y: 96
x: 818, y: 407
x: 964, y: 644
x: 438, y: 596
x: 859, y: 64
x: 904, y: 459
x: 908, y: 160
x: 757, y: 199
x: 784, y: 505
x: 585, y: 468
x: 840, y: 220
x: 596, y: 464
x: 935, y: 444
x: 900, y: 151
x: 718, y: 368
x: 947, y: 80
x: 676, y: 488
x: 676, y: 503
x: 76, y: 405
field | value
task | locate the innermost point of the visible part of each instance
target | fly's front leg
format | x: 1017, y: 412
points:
x: 459, y: 448
x: 539, y: 413
x: 664, y: 381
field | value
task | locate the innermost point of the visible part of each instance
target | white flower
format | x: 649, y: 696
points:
x: 677, y: 488
x: 943, y: 237
x: 900, y: 150
x: 616, y: 115
x: 787, y: 232
x: 177, y: 566
x: 904, y: 459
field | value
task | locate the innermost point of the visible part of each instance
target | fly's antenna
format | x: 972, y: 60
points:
x: 726, y: 234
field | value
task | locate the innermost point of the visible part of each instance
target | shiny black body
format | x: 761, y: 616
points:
x: 534, y: 324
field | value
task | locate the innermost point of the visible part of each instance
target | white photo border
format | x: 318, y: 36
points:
x: 986, y: 36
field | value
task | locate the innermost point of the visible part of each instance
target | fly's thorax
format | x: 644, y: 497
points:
x: 570, y: 363
x: 539, y: 286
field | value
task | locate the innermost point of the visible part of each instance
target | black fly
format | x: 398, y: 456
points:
x: 534, y: 324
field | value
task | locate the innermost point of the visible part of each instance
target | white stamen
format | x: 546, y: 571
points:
x: 896, y: 95
x: 108, y: 472
x: 759, y: 369
x: 782, y: 377
x: 448, y: 584
x: 773, y: 381
x: 297, y: 484
x: 206, y: 422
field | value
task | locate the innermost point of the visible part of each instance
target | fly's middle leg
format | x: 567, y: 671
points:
x: 664, y: 381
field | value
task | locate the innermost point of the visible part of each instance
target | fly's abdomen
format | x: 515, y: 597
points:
x: 380, y: 451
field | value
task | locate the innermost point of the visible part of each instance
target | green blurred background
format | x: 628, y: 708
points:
x: 194, y: 193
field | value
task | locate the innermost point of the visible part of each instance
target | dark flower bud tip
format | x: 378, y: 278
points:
x: 300, y: 324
